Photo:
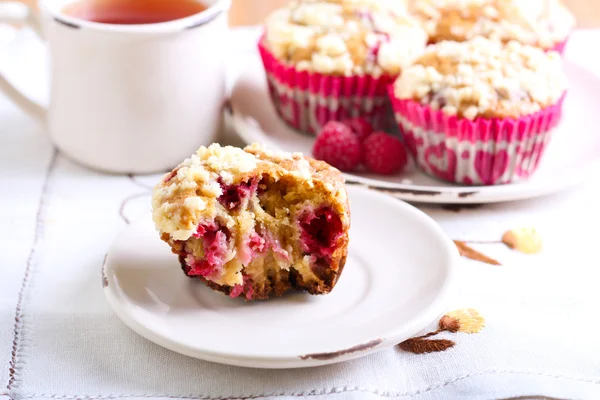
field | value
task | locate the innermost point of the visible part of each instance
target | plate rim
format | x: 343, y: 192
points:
x: 426, y: 316
x: 456, y: 194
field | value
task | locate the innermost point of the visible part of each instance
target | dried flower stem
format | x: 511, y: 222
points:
x: 420, y: 346
x: 469, y: 252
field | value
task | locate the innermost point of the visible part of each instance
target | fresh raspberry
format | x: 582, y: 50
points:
x: 338, y: 146
x: 384, y: 154
x: 360, y: 127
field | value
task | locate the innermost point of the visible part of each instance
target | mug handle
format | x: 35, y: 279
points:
x: 19, y: 13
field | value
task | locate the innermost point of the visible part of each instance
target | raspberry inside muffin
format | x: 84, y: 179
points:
x: 254, y: 223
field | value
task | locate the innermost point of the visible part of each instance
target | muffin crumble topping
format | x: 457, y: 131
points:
x: 345, y: 37
x: 483, y: 78
x: 542, y: 23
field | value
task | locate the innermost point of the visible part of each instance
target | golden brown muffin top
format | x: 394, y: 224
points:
x: 188, y: 194
x: 483, y: 78
x: 542, y: 23
x: 345, y: 37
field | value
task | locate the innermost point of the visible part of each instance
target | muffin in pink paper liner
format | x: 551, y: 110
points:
x: 307, y: 101
x: 334, y: 59
x: 546, y: 24
x: 479, y: 112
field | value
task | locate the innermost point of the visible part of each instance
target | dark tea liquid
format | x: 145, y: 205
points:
x: 132, y: 12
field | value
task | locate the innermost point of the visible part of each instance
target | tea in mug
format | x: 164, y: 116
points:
x: 132, y: 12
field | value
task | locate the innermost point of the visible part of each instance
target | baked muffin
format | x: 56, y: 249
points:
x: 333, y: 59
x: 543, y: 23
x: 254, y: 223
x: 480, y: 112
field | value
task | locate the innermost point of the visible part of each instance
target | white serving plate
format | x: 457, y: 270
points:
x: 386, y: 294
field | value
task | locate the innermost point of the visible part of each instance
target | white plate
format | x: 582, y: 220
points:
x: 386, y: 294
x: 572, y: 155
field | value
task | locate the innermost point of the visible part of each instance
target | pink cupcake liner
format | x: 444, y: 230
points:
x: 306, y: 100
x: 480, y: 152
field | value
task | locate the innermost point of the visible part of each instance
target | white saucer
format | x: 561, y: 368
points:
x: 386, y: 294
x: 572, y: 156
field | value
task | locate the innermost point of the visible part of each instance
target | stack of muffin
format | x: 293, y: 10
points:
x: 476, y: 86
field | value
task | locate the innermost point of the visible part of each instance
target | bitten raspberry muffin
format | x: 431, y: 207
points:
x: 480, y: 112
x: 543, y: 23
x: 254, y: 223
x: 333, y: 59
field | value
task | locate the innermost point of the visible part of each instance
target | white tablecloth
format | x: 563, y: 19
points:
x: 60, y: 340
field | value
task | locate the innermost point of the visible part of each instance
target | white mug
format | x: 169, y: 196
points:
x: 129, y: 98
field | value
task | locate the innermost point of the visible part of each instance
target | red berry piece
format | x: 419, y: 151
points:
x: 338, y: 146
x: 360, y: 127
x: 384, y: 154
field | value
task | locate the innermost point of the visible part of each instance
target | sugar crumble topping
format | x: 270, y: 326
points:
x: 177, y: 201
x: 226, y: 160
x: 483, y: 78
x: 542, y: 23
x: 186, y: 196
x: 345, y: 37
